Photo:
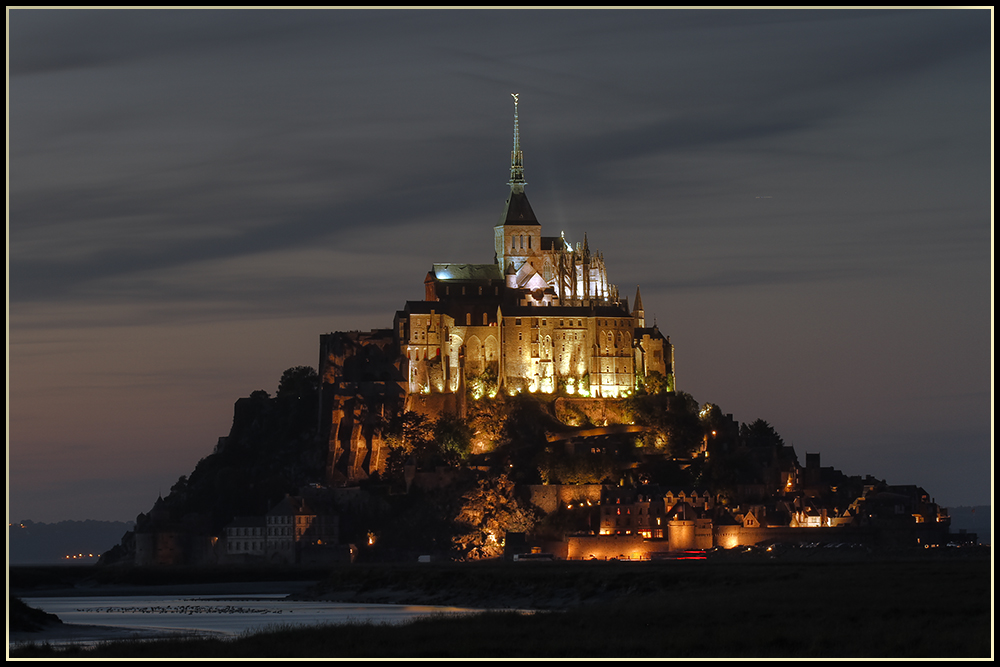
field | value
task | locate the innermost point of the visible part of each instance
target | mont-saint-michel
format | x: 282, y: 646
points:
x: 525, y: 408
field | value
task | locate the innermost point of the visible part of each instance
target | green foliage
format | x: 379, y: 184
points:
x: 673, y: 418
x: 453, y: 437
x: 410, y: 431
x: 655, y: 383
x: 558, y: 467
x: 760, y: 434
x: 298, y: 383
x: 429, y: 443
x: 487, y: 513
x: 529, y: 417
x: 487, y: 419
x: 483, y: 385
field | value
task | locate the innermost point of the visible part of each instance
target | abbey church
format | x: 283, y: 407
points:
x: 542, y: 317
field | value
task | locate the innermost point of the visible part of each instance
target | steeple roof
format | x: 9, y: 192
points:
x: 517, y: 210
x: 517, y: 181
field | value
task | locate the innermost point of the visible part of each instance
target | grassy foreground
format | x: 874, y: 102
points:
x: 918, y: 608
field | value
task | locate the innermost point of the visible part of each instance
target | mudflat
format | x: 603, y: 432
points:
x: 902, y: 605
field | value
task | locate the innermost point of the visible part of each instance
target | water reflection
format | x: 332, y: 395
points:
x: 226, y: 614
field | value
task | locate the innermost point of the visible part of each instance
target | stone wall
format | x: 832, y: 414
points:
x: 433, y: 406
x: 549, y: 497
x: 605, y: 547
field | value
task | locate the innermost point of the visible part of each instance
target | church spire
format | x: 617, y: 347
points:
x: 517, y: 182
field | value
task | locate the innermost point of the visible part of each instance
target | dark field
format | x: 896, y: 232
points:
x: 919, y: 606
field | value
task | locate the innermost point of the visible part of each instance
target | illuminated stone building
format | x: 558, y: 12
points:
x: 541, y: 317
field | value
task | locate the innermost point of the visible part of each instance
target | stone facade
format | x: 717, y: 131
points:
x: 542, y: 317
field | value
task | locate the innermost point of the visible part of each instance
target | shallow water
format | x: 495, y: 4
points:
x: 226, y: 614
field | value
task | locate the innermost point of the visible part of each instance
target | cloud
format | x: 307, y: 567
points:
x: 211, y: 175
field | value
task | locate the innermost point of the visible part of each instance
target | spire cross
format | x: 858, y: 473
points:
x: 516, y: 166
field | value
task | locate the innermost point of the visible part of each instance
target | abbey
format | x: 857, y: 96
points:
x: 542, y: 317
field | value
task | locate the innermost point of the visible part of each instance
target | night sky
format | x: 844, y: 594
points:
x: 195, y: 196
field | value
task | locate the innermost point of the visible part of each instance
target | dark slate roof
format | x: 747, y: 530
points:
x: 555, y: 243
x: 653, y: 332
x: 423, y: 307
x: 518, y: 211
x: 564, y: 311
x: 467, y: 272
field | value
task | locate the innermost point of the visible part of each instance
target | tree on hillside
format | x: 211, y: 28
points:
x: 453, y: 438
x: 760, y: 434
x: 487, y: 417
x: 654, y: 382
x: 487, y: 513
x: 674, y: 420
x: 298, y: 383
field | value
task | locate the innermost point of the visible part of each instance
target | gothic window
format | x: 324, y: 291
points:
x: 468, y: 319
x: 485, y: 321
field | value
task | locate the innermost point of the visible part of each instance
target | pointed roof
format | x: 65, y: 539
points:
x: 638, y: 300
x: 517, y: 181
x: 517, y: 210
